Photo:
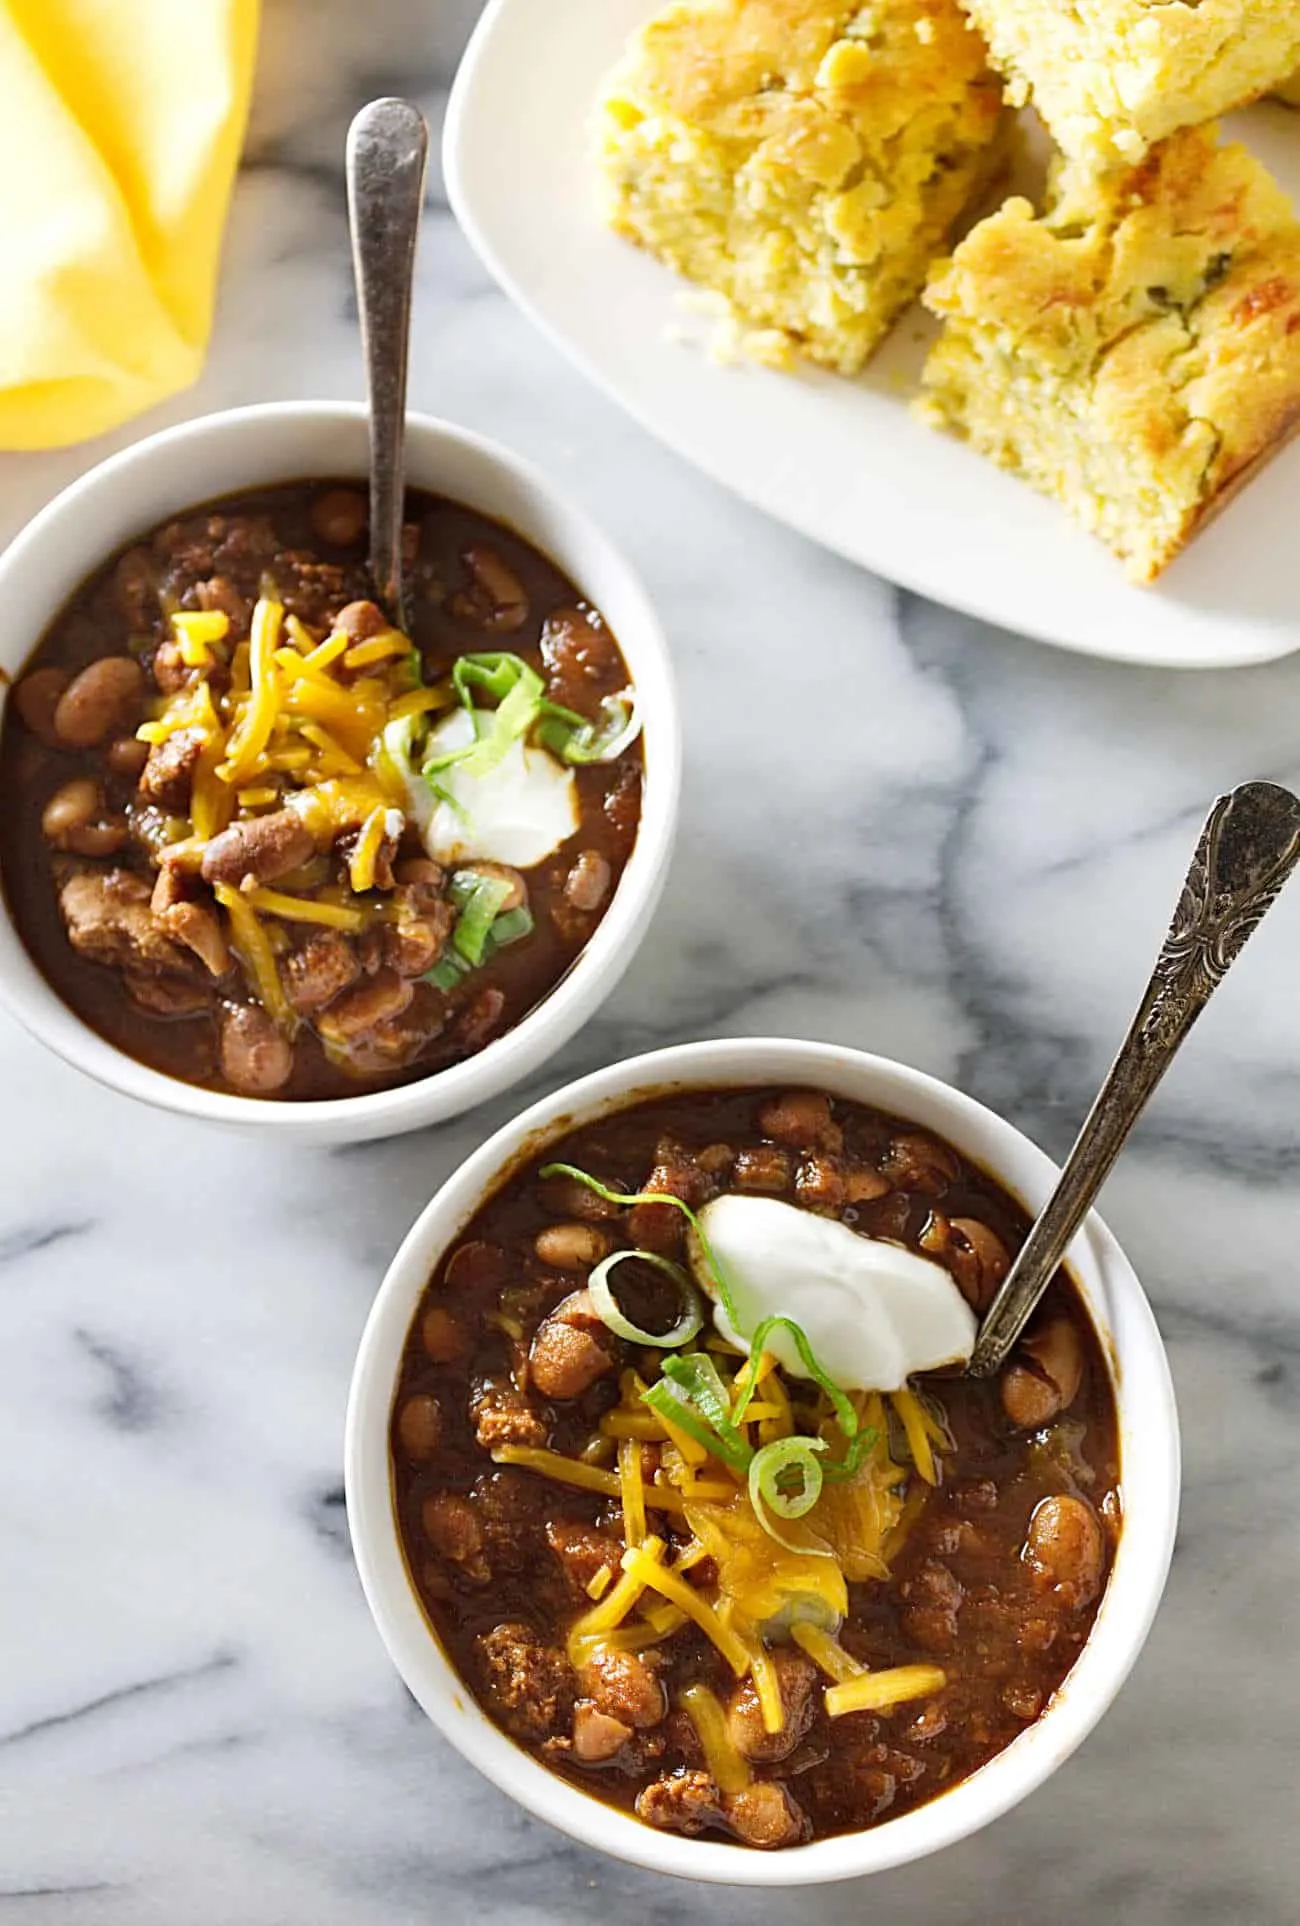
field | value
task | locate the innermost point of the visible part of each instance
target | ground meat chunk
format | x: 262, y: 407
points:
x: 529, y: 1684
x: 219, y: 595
x: 819, y: 1185
x: 587, y: 883
x: 476, y: 1022
x: 510, y: 1508
x: 419, y: 933
x: 582, y: 1551
x: 502, y: 1415
x: 571, y: 1348
x: 796, y: 1676
x: 681, y: 1802
x: 625, y: 1686
x: 920, y: 1163
x: 802, y: 1119
x: 932, y: 1599
x: 581, y: 658
x: 659, y: 1227
x: 168, y: 775
x: 108, y: 917
x: 452, y: 1528
x: 495, y: 599
x: 321, y: 968
x: 764, y: 1168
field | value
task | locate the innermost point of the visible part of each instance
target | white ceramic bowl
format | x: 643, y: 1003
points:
x: 1149, y: 1446
x: 288, y: 441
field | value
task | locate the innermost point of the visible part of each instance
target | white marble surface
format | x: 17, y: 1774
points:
x: 902, y: 831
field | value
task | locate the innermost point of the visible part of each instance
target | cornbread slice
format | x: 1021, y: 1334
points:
x: 1111, y: 76
x: 1135, y: 352
x: 804, y: 158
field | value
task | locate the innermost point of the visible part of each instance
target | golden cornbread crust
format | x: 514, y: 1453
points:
x: 1135, y: 352
x: 804, y: 158
x: 1112, y: 76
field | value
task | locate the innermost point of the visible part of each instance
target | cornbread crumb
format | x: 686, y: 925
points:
x: 804, y: 158
x: 1136, y: 351
x: 1111, y: 76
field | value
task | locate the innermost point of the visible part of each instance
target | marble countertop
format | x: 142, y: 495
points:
x: 970, y: 871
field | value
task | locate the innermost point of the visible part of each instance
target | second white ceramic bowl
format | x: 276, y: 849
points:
x: 250, y: 448
x: 1148, y: 1441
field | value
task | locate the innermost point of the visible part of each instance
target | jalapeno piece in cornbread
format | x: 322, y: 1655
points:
x: 1112, y: 76
x: 806, y: 159
x: 1136, y: 351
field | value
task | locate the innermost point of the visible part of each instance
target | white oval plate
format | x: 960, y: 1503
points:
x: 842, y: 461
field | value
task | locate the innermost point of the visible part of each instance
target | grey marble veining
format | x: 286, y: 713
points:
x: 902, y: 830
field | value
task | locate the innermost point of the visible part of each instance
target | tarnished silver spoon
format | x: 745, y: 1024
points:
x: 1248, y: 848
x: 387, y: 154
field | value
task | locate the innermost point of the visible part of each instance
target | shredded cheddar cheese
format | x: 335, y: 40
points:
x: 254, y: 952
x: 305, y: 909
x: 675, y: 1589
x: 826, y: 1652
x: 361, y: 869
x: 631, y: 1490
x: 727, y: 1764
x: 876, y: 1691
x: 912, y: 1417
x: 599, y: 1582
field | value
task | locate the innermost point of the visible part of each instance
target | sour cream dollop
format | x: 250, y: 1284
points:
x: 518, y: 813
x: 873, y: 1312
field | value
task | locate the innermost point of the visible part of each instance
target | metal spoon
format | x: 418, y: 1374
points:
x: 1248, y: 848
x: 387, y: 153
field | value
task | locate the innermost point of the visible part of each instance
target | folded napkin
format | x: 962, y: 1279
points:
x: 119, y: 136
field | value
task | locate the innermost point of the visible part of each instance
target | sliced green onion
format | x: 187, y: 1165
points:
x: 577, y: 739
x: 447, y: 972
x: 516, y: 688
x: 666, y: 1400
x: 510, y: 926
x: 696, y: 1378
x: 688, y: 1323
x: 769, y: 1472
x: 767, y: 1469
x: 481, y: 898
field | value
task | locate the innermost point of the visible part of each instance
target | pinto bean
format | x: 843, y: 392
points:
x: 572, y: 1247
x: 566, y: 1196
x: 101, y: 700
x: 74, y: 819
x: 597, y: 1736
x: 764, y: 1815
x: 796, y: 1677
x: 802, y: 1119
x: 442, y: 1335
x: 127, y: 757
x: 198, y: 927
x: 496, y: 599
x: 339, y: 517
x: 361, y: 620
x: 419, y: 1426
x: 921, y: 1163
x: 254, y: 1056
x: 1066, y: 1550
x: 373, y: 1001
x: 587, y: 884
x: 863, y: 1185
x: 1044, y: 1377
x: 36, y: 699
x: 624, y: 1686
x: 571, y: 1348
x: 258, y: 851
x: 502, y: 873
x: 979, y: 1260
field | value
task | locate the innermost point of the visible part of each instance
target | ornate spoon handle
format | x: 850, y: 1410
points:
x: 388, y: 150
x: 1248, y: 848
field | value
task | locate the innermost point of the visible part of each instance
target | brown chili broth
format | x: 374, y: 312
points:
x: 871, y: 1769
x: 92, y: 625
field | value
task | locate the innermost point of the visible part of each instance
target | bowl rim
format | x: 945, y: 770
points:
x: 521, y: 1050
x: 1150, y: 1465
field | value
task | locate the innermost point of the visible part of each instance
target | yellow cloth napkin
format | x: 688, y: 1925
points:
x: 120, y: 128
